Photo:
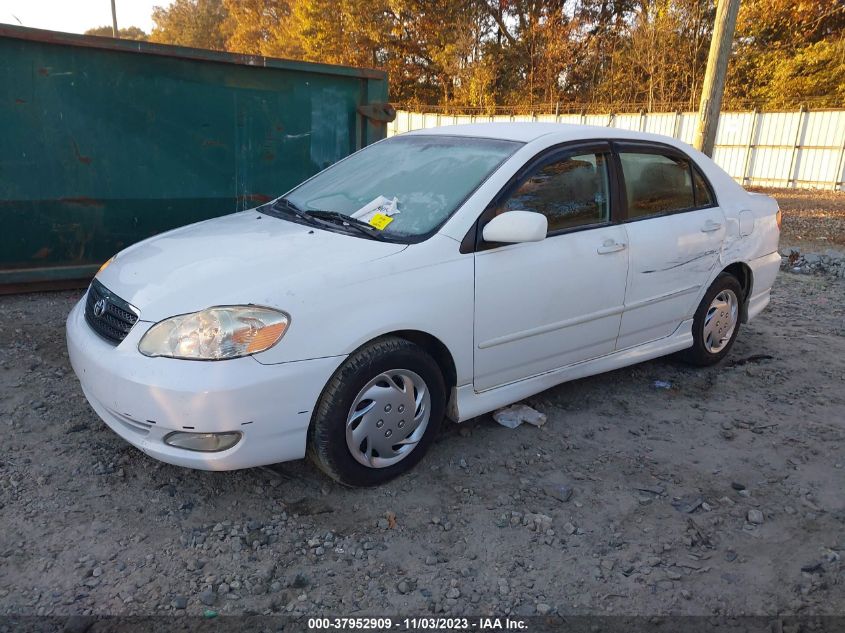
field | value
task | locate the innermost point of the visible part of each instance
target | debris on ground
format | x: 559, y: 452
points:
x: 688, y: 504
x: 753, y: 359
x: 514, y: 415
x: 561, y: 492
x: 755, y: 516
x: 830, y: 263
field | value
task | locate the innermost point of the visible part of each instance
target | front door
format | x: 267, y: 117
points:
x: 544, y: 305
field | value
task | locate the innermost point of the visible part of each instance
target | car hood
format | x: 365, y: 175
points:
x: 243, y: 258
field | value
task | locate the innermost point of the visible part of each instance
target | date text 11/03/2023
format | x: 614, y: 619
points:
x: 418, y: 624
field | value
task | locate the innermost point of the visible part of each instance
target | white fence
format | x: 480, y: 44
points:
x: 804, y: 149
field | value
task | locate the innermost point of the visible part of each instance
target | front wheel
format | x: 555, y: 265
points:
x: 378, y: 414
x: 716, y: 322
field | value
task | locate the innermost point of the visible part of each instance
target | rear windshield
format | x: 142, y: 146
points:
x: 417, y: 181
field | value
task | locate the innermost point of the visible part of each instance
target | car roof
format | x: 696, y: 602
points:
x: 527, y: 132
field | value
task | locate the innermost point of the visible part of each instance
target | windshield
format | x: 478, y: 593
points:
x: 406, y: 185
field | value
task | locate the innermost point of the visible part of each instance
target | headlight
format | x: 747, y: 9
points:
x: 216, y: 333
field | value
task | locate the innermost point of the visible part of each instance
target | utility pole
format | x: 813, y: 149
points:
x: 113, y: 20
x: 714, y: 77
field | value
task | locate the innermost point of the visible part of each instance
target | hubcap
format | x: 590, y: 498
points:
x: 388, y: 418
x: 720, y: 321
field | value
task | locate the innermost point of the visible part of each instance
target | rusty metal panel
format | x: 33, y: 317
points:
x: 106, y: 142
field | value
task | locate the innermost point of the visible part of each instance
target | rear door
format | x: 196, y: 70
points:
x: 675, y: 231
x: 543, y: 305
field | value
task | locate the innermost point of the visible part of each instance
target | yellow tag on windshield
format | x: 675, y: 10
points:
x: 380, y: 221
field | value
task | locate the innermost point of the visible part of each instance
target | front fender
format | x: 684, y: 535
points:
x: 427, y: 287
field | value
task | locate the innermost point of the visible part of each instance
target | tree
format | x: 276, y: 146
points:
x: 653, y: 56
x: 129, y: 33
x: 529, y: 54
x: 436, y: 44
x: 196, y: 23
x: 788, y: 51
x: 812, y: 75
x: 425, y: 45
x: 258, y: 27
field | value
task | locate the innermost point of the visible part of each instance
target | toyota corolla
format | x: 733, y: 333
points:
x: 438, y: 274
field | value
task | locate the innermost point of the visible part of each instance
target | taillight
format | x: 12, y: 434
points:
x: 779, y: 218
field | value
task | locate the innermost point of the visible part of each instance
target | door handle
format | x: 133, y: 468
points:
x: 711, y: 226
x: 610, y: 246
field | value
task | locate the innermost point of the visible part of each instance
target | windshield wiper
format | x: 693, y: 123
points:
x: 341, y: 218
x: 286, y: 204
x: 322, y: 218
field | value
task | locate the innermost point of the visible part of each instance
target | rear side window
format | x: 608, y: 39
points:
x: 703, y: 197
x: 571, y: 192
x: 656, y: 184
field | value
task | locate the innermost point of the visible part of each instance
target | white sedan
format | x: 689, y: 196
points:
x: 440, y: 273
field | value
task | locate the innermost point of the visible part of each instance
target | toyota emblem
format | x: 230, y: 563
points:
x: 100, y: 307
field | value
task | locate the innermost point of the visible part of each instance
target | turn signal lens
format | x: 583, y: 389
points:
x: 106, y: 264
x: 779, y: 218
x: 218, y: 333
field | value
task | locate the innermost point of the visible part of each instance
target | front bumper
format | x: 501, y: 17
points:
x: 143, y: 399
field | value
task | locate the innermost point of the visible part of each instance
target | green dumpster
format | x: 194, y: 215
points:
x: 105, y: 142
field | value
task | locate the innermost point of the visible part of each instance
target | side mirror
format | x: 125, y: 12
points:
x: 516, y: 226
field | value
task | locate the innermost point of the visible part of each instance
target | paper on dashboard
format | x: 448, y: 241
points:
x: 382, y: 205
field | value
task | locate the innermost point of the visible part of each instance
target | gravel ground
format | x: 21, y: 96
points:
x: 717, y: 493
x: 813, y: 220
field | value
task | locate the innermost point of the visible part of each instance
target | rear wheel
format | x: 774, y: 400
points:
x: 378, y: 414
x: 716, y: 322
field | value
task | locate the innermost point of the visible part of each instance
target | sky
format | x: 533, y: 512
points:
x: 76, y: 16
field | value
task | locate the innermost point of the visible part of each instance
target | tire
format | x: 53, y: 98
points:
x: 399, y: 375
x: 711, y: 327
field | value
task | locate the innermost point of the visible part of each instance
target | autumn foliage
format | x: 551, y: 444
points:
x: 609, y: 55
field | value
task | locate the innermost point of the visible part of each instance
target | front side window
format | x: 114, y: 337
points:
x: 571, y: 192
x: 417, y: 180
x: 656, y: 184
